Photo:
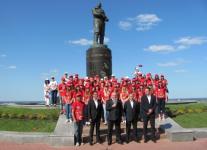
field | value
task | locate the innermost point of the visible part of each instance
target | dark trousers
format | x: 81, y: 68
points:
x: 128, y: 129
x: 92, y: 125
x: 161, y: 105
x: 54, y: 96
x: 78, y: 129
x: 111, y: 124
x: 86, y: 113
x: 146, y: 119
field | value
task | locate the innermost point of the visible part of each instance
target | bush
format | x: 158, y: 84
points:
x: 11, y: 116
x: 4, y: 115
x: 20, y: 116
x: 31, y: 116
x: 189, y: 110
x: 180, y: 111
x: 198, y: 110
x: 42, y: 117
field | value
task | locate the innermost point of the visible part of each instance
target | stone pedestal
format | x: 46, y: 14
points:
x: 99, y: 61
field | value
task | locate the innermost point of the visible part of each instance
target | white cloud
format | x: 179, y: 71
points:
x: 142, y: 22
x: 3, y: 55
x: 84, y: 42
x: 160, y: 48
x: 180, y: 44
x: 188, y: 41
x: 12, y: 67
x: 172, y: 63
x: 181, y: 71
x: 125, y: 25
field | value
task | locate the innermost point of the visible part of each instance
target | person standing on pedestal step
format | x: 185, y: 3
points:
x: 148, y: 106
x: 94, y: 114
x: 161, y: 100
x: 105, y: 97
x: 114, y: 106
x: 62, y: 92
x: 54, y: 91
x: 47, y: 92
x: 131, y: 109
x: 78, y: 119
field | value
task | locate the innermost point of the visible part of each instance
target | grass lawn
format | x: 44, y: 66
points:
x: 194, y: 116
x: 44, y: 121
x: 191, y: 105
x: 27, y: 125
x: 192, y: 120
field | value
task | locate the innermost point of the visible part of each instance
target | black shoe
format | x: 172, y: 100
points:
x: 119, y: 142
x: 109, y: 143
x: 145, y: 140
x: 154, y: 140
x: 91, y: 143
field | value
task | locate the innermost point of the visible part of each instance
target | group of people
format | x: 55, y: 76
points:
x: 87, y: 101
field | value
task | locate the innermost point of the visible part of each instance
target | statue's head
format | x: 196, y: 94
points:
x: 99, y: 5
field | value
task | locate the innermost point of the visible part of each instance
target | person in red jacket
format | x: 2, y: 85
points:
x: 161, y: 99
x: 62, y: 91
x: 68, y: 102
x: 78, y: 119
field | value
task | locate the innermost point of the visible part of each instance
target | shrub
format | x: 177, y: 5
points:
x: 20, y: 116
x: 4, y: 115
x: 198, y: 110
x: 189, y: 110
x: 11, y: 116
x: 31, y: 116
x: 42, y: 117
x: 180, y: 111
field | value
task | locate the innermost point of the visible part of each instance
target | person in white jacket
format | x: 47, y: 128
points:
x: 47, y: 92
x: 54, y: 91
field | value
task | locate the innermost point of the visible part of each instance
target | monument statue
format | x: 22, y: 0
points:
x: 98, y: 56
x: 99, y: 18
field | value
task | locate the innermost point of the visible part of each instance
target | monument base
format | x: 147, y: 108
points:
x: 98, y: 61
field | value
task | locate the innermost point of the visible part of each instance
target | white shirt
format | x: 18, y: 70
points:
x: 132, y: 103
x: 149, y: 98
x: 53, y: 85
x: 96, y: 102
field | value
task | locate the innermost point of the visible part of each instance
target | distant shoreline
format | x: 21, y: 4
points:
x: 42, y: 102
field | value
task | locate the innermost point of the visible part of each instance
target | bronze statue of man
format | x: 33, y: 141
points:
x: 99, y: 24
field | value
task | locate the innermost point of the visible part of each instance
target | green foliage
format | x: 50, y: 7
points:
x: 174, y: 110
x: 11, y: 116
x: 27, y: 119
x: 28, y: 113
x: 192, y: 120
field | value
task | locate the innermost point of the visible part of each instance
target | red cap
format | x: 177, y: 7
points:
x: 63, y: 78
x: 78, y: 94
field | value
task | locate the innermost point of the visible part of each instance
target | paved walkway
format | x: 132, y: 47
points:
x: 162, y: 144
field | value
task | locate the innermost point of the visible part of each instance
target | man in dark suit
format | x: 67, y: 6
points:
x: 131, y: 109
x: 115, y: 109
x: 94, y: 114
x: 148, y: 106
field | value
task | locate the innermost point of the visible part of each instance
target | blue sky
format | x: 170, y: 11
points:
x: 40, y: 38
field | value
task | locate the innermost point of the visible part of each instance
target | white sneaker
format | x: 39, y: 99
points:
x: 89, y: 123
x: 77, y: 144
x: 70, y: 121
x: 105, y: 123
x: 67, y: 120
